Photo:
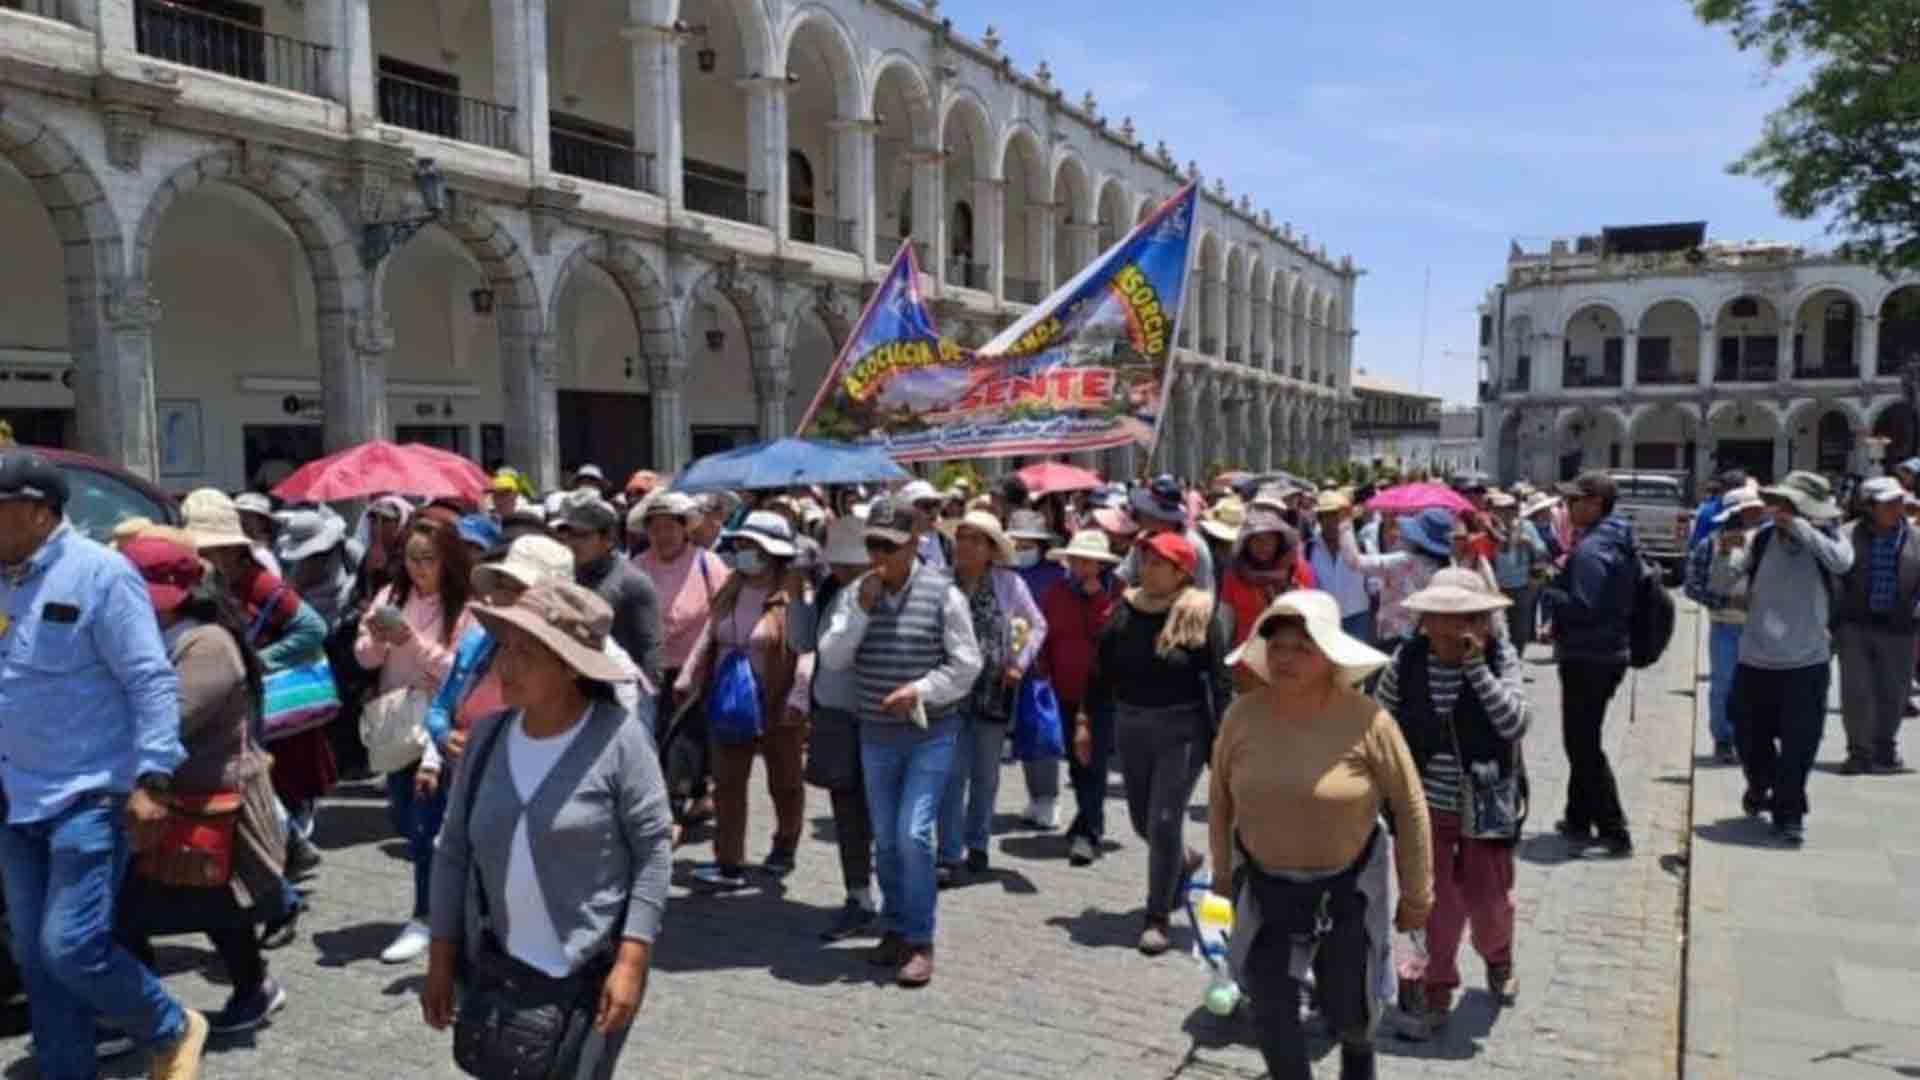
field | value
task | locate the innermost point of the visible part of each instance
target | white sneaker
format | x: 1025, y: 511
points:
x: 1042, y: 814
x: 410, y: 945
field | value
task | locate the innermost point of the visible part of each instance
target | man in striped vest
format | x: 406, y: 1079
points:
x: 907, y: 634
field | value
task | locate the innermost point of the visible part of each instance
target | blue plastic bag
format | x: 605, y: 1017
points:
x: 1037, y: 734
x: 733, y: 701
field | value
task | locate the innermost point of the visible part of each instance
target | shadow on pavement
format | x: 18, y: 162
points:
x: 1471, y: 1022
x: 1546, y: 849
x: 354, y: 944
x: 342, y: 826
x: 1739, y: 831
x: 1103, y: 929
x: 1856, y: 1052
x: 1037, y: 846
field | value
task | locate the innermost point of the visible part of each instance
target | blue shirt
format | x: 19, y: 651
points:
x: 1883, y: 568
x: 88, y: 699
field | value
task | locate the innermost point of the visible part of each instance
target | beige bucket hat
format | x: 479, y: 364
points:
x: 1086, y: 544
x: 984, y: 522
x: 1320, y: 612
x: 570, y: 620
x: 530, y: 560
x: 213, y: 520
x: 1455, y: 591
x: 1224, y: 520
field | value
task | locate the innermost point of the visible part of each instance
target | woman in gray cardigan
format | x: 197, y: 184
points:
x: 568, y: 833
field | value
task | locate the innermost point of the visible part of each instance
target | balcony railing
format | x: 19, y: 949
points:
x: 1210, y: 346
x: 1749, y: 373
x: 810, y: 226
x: 601, y: 161
x: 1258, y: 360
x: 885, y: 247
x: 965, y: 273
x: 1829, y: 371
x: 1233, y: 354
x: 1664, y: 377
x: 184, y: 35
x: 46, y: 9
x: 1591, y: 382
x: 1023, y: 290
x: 724, y: 198
x: 1299, y: 371
x: 1186, y: 338
x: 438, y: 111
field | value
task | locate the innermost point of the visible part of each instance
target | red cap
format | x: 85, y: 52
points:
x: 171, y: 570
x: 1175, y: 549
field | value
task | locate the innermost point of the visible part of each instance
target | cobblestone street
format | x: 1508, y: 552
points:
x: 1038, y: 976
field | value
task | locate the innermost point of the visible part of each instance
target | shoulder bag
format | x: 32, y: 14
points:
x: 516, y: 1022
x: 394, y: 728
x: 195, y: 847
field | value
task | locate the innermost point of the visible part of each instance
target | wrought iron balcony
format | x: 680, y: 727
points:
x: 184, y: 35
x: 724, y: 198
x: 810, y: 226
x: 1233, y: 354
x: 602, y: 161
x: 438, y: 111
x: 1828, y: 371
x: 1210, y: 346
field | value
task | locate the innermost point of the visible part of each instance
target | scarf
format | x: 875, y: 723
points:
x: 1190, y: 614
x: 989, y: 697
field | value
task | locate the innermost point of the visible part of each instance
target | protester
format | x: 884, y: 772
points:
x: 1455, y: 691
x: 1265, y: 562
x: 221, y: 689
x: 479, y: 533
x: 1706, y: 518
x: 1592, y: 601
x: 1332, y: 576
x: 556, y: 849
x: 409, y: 637
x: 1160, y: 508
x: 1786, y: 651
x: 705, y: 532
x: 1519, y: 559
x: 76, y: 807
x: 935, y: 548
x: 312, y: 546
x: 1119, y: 528
x: 1874, y: 630
x: 382, y: 531
x: 907, y: 635
x: 1302, y: 770
x: 590, y: 479
x: 1425, y: 547
x: 589, y: 526
x: 1716, y: 579
x: 504, y: 492
x: 686, y: 577
x: 1161, y: 668
x: 749, y: 618
x: 1032, y: 535
x: 1221, y: 527
x: 1076, y: 610
x: 1009, y: 630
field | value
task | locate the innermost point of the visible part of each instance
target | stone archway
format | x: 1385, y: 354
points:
x: 657, y: 368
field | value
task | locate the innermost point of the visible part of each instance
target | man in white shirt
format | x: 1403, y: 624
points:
x: 1347, y: 585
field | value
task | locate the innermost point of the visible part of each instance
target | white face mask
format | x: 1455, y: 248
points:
x: 750, y: 562
x: 1026, y: 558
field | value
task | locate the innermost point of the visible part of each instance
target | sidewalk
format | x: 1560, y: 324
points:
x: 1804, y: 964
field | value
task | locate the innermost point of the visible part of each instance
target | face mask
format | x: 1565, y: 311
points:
x: 1026, y: 558
x: 750, y: 562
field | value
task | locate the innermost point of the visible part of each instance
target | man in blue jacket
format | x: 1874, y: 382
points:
x: 1592, y: 602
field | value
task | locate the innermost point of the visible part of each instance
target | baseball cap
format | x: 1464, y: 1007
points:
x: 1176, y: 549
x: 919, y: 491
x: 890, y: 518
x: 588, y: 514
x: 1881, y: 489
x: 1592, y: 483
x: 26, y: 476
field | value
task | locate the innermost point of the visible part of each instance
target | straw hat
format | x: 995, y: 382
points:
x: 983, y: 522
x: 1455, y: 591
x: 1352, y: 658
x: 1086, y: 544
x: 1539, y: 502
x: 306, y: 533
x: 213, y: 519
x: 1114, y: 520
x: 1500, y: 500
x: 568, y: 619
x: 1332, y: 502
x: 1224, y: 520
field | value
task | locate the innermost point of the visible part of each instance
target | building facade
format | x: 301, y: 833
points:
x: 1393, y: 424
x: 660, y: 220
x: 1651, y: 347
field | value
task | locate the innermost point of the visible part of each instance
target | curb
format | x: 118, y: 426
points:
x: 1708, y: 1021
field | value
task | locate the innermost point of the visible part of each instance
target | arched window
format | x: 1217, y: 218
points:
x: 800, y: 196
x: 962, y: 241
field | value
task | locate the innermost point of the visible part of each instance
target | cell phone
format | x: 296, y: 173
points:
x: 388, y: 617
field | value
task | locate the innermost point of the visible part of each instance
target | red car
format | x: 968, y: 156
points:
x: 101, y: 494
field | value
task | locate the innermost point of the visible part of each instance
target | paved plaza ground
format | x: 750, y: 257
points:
x: 1038, y: 976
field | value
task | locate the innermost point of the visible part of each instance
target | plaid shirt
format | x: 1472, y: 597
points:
x: 1699, y: 573
x: 1883, y: 569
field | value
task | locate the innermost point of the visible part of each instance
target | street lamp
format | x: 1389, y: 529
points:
x: 378, y: 239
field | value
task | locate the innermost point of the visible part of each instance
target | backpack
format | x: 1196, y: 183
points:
x: 1650, y: 627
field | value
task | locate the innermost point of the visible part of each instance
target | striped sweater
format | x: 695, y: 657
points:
x: 1504, y: 697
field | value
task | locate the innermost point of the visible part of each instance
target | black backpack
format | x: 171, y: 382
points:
x: 1650, y: 627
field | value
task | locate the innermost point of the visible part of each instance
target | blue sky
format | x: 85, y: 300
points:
x: 1416, y: 135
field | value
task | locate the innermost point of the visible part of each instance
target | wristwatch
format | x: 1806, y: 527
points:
x: 155, y: 783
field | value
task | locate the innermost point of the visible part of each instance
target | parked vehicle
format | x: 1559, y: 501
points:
x: 1657, y: 506
x: 102, y: 494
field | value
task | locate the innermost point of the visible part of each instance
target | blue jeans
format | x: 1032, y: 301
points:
x: 906, y: 773
x: 62, y: 878
x: 1723, y: 656
x: 417, y: 821
x: 966, y: 811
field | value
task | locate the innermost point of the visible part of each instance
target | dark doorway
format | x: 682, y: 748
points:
x: 1896, y: 426
x: 1836, y: 443
x: 714, y: 439
x: 274, y: 450
x: 800, y: 197
x: 1753, y: 456
x: 40, y: 427
x: 613, y: 431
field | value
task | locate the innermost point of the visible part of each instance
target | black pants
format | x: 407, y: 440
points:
x: 683, y: 748
x: 1340, y: 986
x: 853, y: 833
x: 1593, y: 799
x: 147, y: 911
x: 1779, y: 718
x: 1090, y: 780
x: 1162, y: 752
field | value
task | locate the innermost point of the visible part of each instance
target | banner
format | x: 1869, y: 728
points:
x: 1088, y: 368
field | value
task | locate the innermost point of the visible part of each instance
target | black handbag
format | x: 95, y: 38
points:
x: 515, y: 1022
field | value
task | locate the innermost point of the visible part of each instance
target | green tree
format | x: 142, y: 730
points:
x: 1846, y: 145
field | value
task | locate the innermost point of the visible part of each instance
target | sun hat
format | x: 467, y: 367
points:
x: 586, y: 512
x: 589, y: 472
x: 1162, y: 500
x: 1540, y: 501
x: 1807, y: 492
x: 1911, y: 465
x: 1029, y: 525
x: 889, y: 518
x: 391, y: 506
x: 530, y: 560
x: 1086, y: 544
x: 846, y: 543
x: 983, y: 522
x: 253, y: 502
x: 26, y: 476
x: 1430, y: 530
x: 1112, y: 519
x: 129, y: 527
x: 478, y: 530
x: 1352, y: 658
x: 170, y: 570
x: 1263, y: 520
x: 1742, y: 498
x: 766, y: 530
x: 1174, y: 548
x: 919, y: 491
x: 212, y: 518
x: 1332, y: 502
x: 1275, y: 495
x: 677, y: 504
x: 1224, y: 519
x: 306, y: 533
x: 569, y: 620
x: 1881, y: 489
x: 1455, y: 591
x: 1500, y: 500
x: 505, y: 481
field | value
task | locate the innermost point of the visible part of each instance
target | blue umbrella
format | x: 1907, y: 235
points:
x: 786, y: 463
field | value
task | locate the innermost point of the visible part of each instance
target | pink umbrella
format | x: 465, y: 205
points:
x: 379, y: 467
x: 1051, y: 476
x: 1413, y: 498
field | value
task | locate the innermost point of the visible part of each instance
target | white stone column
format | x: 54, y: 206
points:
x: 770, y: 382
x: 1213, y: 321
x: 855, y: 183
x: 1237, y: 323
x: 767, y: 151
x: 530, y: 372
x: 667, y: 380
x: 1783, y: 357
x: 1869, y: 346
x: 1040, y: 226
x: 1783, y: 452
x: 1630, y: 361
x: 353, y: 378
x: 1259, y: 334
x: 119, y: 45
x: 345, y: 27
x: 989, y: 224
x: 929, y: 212
x: 520, y: 74
x: 110, y: 334
x: 654, y: 58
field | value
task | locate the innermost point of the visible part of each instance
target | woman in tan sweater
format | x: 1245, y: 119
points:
x: 1301, y: 770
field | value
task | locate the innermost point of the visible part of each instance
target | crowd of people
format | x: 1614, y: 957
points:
x: 557, y: 693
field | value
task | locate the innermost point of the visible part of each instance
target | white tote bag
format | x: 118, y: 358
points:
x: 394, y: 728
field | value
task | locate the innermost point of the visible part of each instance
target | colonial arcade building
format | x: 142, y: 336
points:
x: 1652, y: 347
x: 646, y: 228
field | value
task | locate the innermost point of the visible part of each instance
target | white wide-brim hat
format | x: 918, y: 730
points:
x: 1455, y: 591
x: 1539, y: 503
x: 530, y: 560
x: 984, y: 522
x: 1086, y: 544
x: 1320, y: 612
